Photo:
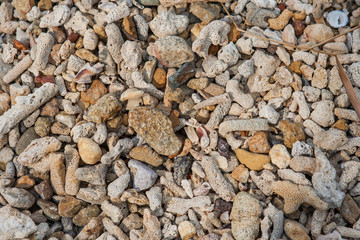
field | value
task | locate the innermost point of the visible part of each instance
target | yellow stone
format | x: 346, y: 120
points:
x: 252, y: 160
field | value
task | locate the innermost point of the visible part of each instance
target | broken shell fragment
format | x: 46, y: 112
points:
x: 337, y: 19
x: 85, y: 73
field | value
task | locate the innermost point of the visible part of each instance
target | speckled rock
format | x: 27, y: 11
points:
x: 17, y: 197
x: 292, y: 132
x: 105, y: 108
x: 173, y: 51
x: 181, y: 168
x: 331, y: 139
x: 69, y: 206
x: 323, y: 113
x: 18, y: 225
x: 280, y: 156
x: 85, y: 215
x: 42, y: 126
x: 156, y: 129
x: 50, y: 209
x: 259, y: 143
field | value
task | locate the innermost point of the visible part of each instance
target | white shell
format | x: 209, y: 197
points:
x: 337, y: 18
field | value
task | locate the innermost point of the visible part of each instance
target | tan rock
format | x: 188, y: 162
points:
x: 186, y: 230
x: 146, y: 154
x: 292, y: 132
x: 295, y: 231
x: 70, y: 206
x: 281, y: 21
x: 252, y: 160
x: 89, y: 151
x: 45, y: 5
x: 23, y: 7
x: 159, y: 78
x: 105, y: 108
x: 57, y: 173
x: 86, y: 54
x: 25, y: 182
x: 240, y: 174
x: 156, y: 129
x: 318, y: 32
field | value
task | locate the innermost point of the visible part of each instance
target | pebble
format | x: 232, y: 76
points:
x: 318, y: 32
x: 259, y: 143
x: 25, y: 182
x: 292, y: 132
x: 181, y: 168
x: 89, y: 151
x: 112, y: 211
x: 18, y: 225
x: 156, y: 129
x: 17, y: 197
x: 145, y: 154
x: 323, y: 113
x: 167, y: 23
x: 42, y: 126
x: 84, y: 216
x: 117, y: 187
x: 240, y: 174
x: 349, y: 209
x: 204, y: 11
x: 94, y: 175
x: 70, y: 206
x: 44, y: 190
x: 105, y: 108
x: 295, y: 231
x: 252, y: 160
x: 144, y: 176
x: 96, y: 90
x: 159, y: 78
x: 132, y: 221
x: 173, y: 51
x: 50, y: 209
x: 280, y: 156
x: 186, y: 230
x: 25, y: 140
x: 331, y: 139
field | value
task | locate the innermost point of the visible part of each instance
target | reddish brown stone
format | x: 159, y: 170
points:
x: 44, y: 190
x: 95, y: 92
x: 129, y: 28
x: 25, y: 182
x: 42, y: 79
x: 259, y: 143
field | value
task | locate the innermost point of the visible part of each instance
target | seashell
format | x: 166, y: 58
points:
x: 204, y: 137
x: 85, y: 73
x: 9, y: 27
x: 203, y: 190
x: 337, y: 18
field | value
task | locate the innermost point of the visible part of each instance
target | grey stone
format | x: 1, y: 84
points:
x: 18, y: 225
x: 92, y: 174
x: 144, y: 176
x: 17, y: 197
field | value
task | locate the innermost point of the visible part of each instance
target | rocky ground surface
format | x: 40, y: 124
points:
x: 158, y: 119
